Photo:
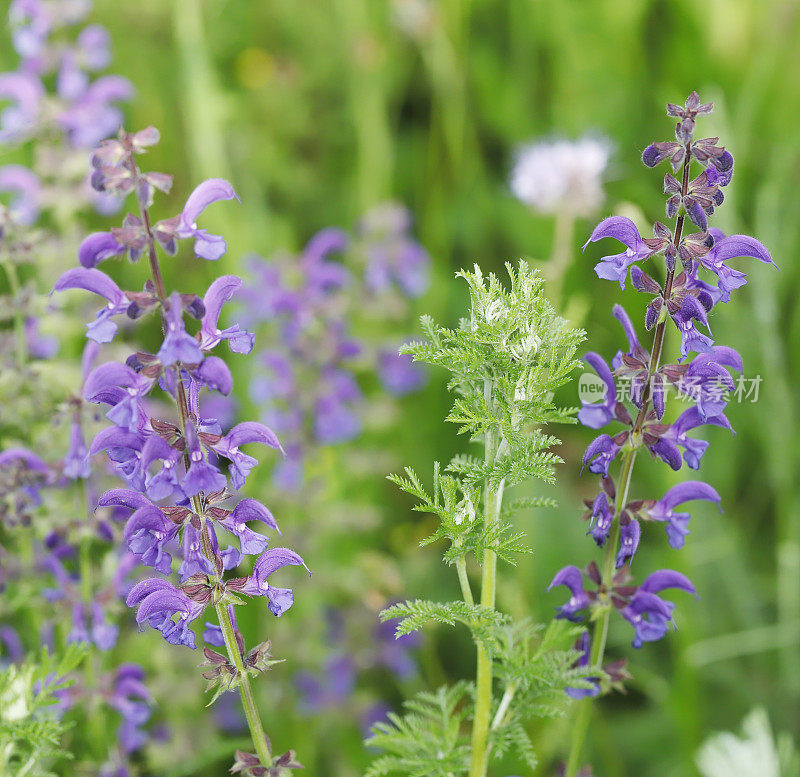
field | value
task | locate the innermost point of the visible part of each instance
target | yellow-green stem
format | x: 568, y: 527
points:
x: 245, y: 689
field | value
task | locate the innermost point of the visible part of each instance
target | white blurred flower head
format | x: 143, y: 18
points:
x: 562, y: 175
x: 752, y: 754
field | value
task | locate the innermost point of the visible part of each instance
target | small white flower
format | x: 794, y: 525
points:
x: 553, y: 176
x: 753, y: 754
x: 13, y: 702
x: 465, y: 511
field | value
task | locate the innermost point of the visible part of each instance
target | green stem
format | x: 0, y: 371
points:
x: 502, y: 708
x: 466, y: 589
x: 493, y: 500
x: 600, y: 635
x: 245, y: 689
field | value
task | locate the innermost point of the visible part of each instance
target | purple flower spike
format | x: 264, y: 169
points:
x: 615, y: 267
x: 241, y: 463
x: 280, y: 599
x: 572, y: 578
x: 98, y: 247
x: 677, y: 523
x: 102, y: 329
x: 206, y: 246
x: 597, y: 415
x: 219, y: 292
x: 159, y: 602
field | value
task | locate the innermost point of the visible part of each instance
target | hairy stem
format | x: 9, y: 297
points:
x: 600, y: 634
x: 493, y: 500
x: 245, y: 689
x: 502, y: 708
x: 466, y: 589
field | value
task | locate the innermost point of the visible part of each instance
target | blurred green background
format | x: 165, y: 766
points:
x: 318, y: 110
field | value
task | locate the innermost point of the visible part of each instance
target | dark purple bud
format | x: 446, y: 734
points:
x: 653, y: 311
x: 672, y: 205
x: 194, y: 307
x: 134, y: 363
x: 643, y: 282
x: 697, y: 215
x: 723, y: 162
x: 651, y: 156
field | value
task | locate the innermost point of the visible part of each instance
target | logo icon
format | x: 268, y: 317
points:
x: 591, y: 390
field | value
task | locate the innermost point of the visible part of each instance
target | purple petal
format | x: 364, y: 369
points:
x: 215, y: 374
x: 688, y: 491
x: 253, y: 510
x: 123, y: 497
x: 98, y: 247
x: 667, y: 578
x: 219, y: 292
x: 274, y: 559
x: 251, y: 431
x: 620, y: 228
x: 91, y: 280
x: 142, y: 590
x: 208, y: 192
x: 630, y: 333
x: 31, y: 460
x: 569, y: 576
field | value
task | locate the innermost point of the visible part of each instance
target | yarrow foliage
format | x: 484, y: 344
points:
x: 182, y: 471
x: 617, y: 522
x: 506, y: 359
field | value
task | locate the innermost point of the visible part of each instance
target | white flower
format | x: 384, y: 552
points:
x: 754, y: 754
x: 465, y: 511
x: 553, y: 176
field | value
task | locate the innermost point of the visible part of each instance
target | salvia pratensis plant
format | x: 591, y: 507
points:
x: 685, y: 298
x: 177, y: 489
x: 507, y: 358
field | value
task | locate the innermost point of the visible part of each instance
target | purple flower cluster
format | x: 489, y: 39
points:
x: 82, y: 109
x: 124, y: 691
x: 306, y: 379
x: 177, y: 470
x: 687, y: 298
x: 334, y: 685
